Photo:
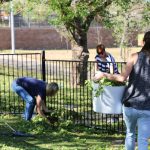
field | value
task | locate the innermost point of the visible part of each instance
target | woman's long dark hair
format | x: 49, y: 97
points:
x: 100, y: 46
x: 146, y: 40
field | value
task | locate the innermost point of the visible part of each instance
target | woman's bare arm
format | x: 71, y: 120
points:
x: 125, y: 73
x: 39, y: 106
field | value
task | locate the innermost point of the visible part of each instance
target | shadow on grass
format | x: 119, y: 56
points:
x: 63, y: 137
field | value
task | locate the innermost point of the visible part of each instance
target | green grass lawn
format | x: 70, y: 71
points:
x: 62, y: 136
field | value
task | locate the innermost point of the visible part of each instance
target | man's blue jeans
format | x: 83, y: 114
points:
x: 133, y: 118
x: 30, y: 101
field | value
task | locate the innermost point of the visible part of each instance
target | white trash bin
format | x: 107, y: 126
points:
x: 109, y: 101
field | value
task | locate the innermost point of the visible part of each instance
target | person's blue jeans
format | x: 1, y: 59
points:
x: 30, y: 101
x: 133, y: 118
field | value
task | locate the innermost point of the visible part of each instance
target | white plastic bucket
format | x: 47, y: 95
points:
x: 109, y: 101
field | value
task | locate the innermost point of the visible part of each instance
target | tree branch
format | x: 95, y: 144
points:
x: 92, y: 14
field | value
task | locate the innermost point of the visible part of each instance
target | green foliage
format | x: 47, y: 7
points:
x: 79, y: 15
x: 101, y: 84
x: 146, y: 15
x: 75, y: 17
x: 40, y: 125
x: 128, y: 19
x: 68, y: 136
x: 32, y: 9
x: 66, y: 124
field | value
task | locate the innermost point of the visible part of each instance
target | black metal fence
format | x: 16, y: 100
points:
x: 11, y: 67
x: 73, y: 101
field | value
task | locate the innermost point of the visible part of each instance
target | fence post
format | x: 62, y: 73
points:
x: 43, y: 66
x: 43, y: 69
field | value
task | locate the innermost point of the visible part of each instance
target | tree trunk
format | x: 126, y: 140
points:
x: 123, y: 38
x: 80, y: 55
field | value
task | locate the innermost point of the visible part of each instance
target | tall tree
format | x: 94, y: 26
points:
x: 126, y: 22
x: 74, y: 17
